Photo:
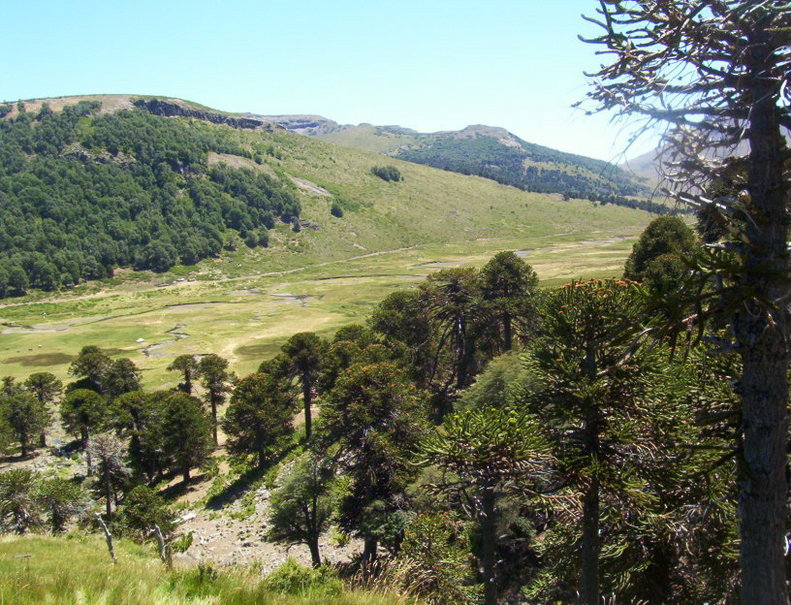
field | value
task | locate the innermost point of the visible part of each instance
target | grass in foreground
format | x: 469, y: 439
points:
x: 77, y: 570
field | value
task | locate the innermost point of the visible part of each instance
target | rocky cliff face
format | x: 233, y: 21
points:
x: 308, y: 125
x: 172, y: 108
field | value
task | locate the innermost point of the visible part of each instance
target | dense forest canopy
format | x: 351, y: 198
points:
x: 82, y: 193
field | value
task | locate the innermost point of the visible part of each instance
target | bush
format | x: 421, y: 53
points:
x: 292, y: 578
x: 387, y: 173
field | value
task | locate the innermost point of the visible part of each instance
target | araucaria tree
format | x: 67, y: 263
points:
x: 717, y: 73
x: 216, y: 381
x: 83, y: 411
x: 258, y: 420
x: 189, y: 368
x: 184, y: 433
x: 302, y: 359
x: 26, y: 416
x: 592, y: 385
x: 508, y: 285
x: 305, y: 504
x: 375, y: 416
x: 483, y: 453
x: 108, y: 452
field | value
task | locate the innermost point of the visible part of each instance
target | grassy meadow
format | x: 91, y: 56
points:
x: 37, y: 570
x: 244, y: 305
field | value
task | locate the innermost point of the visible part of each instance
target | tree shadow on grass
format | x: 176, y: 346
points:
x: 237, y: 488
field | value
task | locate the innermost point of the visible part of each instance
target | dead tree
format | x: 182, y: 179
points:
x: 716, y: 74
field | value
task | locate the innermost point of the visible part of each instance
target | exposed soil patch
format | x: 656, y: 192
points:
x: 311, y: 188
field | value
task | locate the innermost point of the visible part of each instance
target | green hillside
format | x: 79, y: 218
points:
x: 245, y: 302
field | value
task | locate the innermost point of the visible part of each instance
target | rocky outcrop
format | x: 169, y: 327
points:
x: 308, y: 125
x: 172, y: 109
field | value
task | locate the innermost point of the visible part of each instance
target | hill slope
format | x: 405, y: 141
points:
x: 485, y: 151
x: 146, y: 183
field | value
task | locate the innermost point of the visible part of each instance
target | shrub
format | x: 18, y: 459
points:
x: 292, y: 578
x: 387, y: 173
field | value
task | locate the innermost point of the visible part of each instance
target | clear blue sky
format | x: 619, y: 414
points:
x: 425, y: 64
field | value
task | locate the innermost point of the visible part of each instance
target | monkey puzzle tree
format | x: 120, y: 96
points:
x: 593, y: 376
x: 302, y: 359
x: 259, y: 417
x: 90, y: 367
x: 665, y: 235
x: 189, y: 368
x: 508, y: 283
x: 216, y: 381
x: 83, y: 411
x: 305, y: 503
x: 483, y: 453
x: 60, y: 500
x: 45, y: 387
x: 123, y: 376
x: 26, y: 416
x: 184, y: 433
x: 716, y: 74
x: 107, y: 452
x: 375, y: 416
x: 452, y: 298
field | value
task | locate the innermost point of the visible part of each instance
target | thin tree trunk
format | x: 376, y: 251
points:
x: 763, y: 338
x: 23, y: 444
x: 108, y: 494
x: 507, y: 332
x: 315, y: 555
x: 307, y: 396
x: 589, y: 583
x: 369, y: 550
x: 214, y: 418
x: 185, y: 473
x: 488, y: 542
x: 108, y: 537
x: 86, y: 438
x: 591, y: 546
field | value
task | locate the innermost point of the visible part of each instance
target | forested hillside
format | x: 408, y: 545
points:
x: 82, y: 193
x: 496, y: 154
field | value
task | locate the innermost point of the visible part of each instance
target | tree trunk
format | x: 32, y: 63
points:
x: 315, y: 555
x: 42, y: 439
x: 86, y: 437
x: 507, y: 332
x: 23, y: 444
x: 108, y: 495
x: 589, y: 559
x: 763, y: 338
x: 590, y: 548
x: 185, y: 473
x: 369, y: 550
x: 214, y: 419
x: 488, y: 527
x: 307, y: 397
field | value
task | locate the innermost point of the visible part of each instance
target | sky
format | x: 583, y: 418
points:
x: 429, y: 65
